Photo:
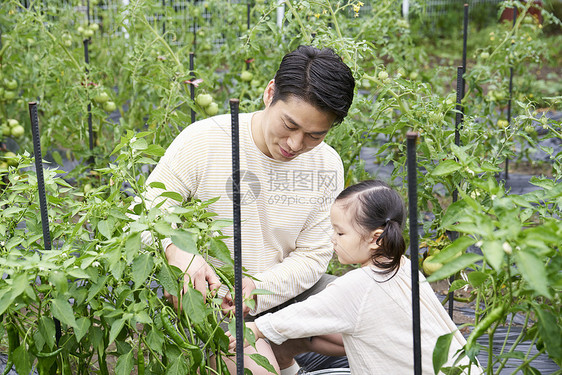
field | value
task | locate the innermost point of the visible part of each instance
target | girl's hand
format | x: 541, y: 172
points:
x: 232, y: 338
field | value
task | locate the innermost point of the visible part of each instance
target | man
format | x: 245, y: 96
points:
x: 290, y: 174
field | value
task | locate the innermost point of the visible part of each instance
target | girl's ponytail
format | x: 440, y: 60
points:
x: 392, y: 247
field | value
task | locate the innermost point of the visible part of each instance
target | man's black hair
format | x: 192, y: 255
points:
x: 317, y: 76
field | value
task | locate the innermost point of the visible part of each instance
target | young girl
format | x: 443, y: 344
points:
x: 370, y: 306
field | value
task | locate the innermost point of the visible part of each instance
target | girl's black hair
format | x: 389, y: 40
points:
x: 317, y: 76
x: 379, y: 206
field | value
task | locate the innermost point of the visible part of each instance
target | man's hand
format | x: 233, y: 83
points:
x: 196, y: 269
x: 232, y: 338
x: 227, y: 304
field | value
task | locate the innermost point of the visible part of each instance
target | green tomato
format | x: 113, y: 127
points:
x: 18, y: 131
x: 11, y: 84
x: 94, y: 27
x: 484, y: 55
x: 10, y: 158
x: 414, y: 75
x: 67, y: 42
x: 12, y: 122
x: 383, y: 75
x: 212, y: 109
x: 366, y: 83
x: 101, y: 98
x: 246, y: 76
x: 430, y: 267
x: 3, y: 166
x: 204, y: 100
x: 109, y: 106
x: 88, y: 33
x: 87, y: 188
x: 530, y: 129
x: 80, y: 30
x: 502, y: 124
x: 5, y: 129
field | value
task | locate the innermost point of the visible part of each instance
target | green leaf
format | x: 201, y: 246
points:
x: 477, y: 278
x: 261, y: 292
x: 454, y: 266
x: 494, y: 254
x: 116, y: 328
x: 56, y: 157
x: 164, y: 229
x: 47, y: 330
x: 185, y: 241
x: 263, y: 362
x: 106, y: 228
x: 446, y: 167
x: 168, y: 280
x: 78, y: 273
x: 139, y: 144
x: 177, y: 367
x: 155, y: 150
x: 172, y: 195
x: 441, y: 351
x: 22, y: 360
x: 82, y: 327
x: 155, y: 340
x: 142, y: 267
x: 62, y: 310
x: 194, y: 305
x: 19, y: 284
x: 520, y: 201
x: 457, y: 284
x: 219, y: 250
x: 551, y: 334
x: 453, y: 250
x: 157, y: 185
x: 5, y: 300
x: 532, y: 270
x: 125, y: 364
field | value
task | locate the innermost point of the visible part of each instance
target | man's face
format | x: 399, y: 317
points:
x: 290, y: 128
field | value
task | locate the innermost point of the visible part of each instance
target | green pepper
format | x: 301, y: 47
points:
x: 483, y: 325
x: 172, y: 331
x: 13, y: 344
x: 140, y: 360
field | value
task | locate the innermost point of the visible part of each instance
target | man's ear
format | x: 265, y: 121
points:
x: 373, y: 238
x: 268, y: 93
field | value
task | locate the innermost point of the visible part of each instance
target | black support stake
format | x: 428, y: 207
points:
x: 163, y: 17
x: 412, y: 137
x: 464, y: 42
x: 248, y: 10
x: 192, y: 86
x: 460, y: 112
x: 458, y: 123
x: 510, y: 93
x: 90, y: 127
x: 236, y: 210
x: 41, y: 187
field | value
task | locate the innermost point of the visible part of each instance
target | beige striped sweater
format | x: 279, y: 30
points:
x: 285, y: 205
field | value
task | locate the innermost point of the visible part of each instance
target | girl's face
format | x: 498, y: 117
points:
x: 351, y: 246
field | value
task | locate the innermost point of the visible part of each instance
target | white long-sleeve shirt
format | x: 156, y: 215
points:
x: 285, y: 205
x: 374, y: 318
